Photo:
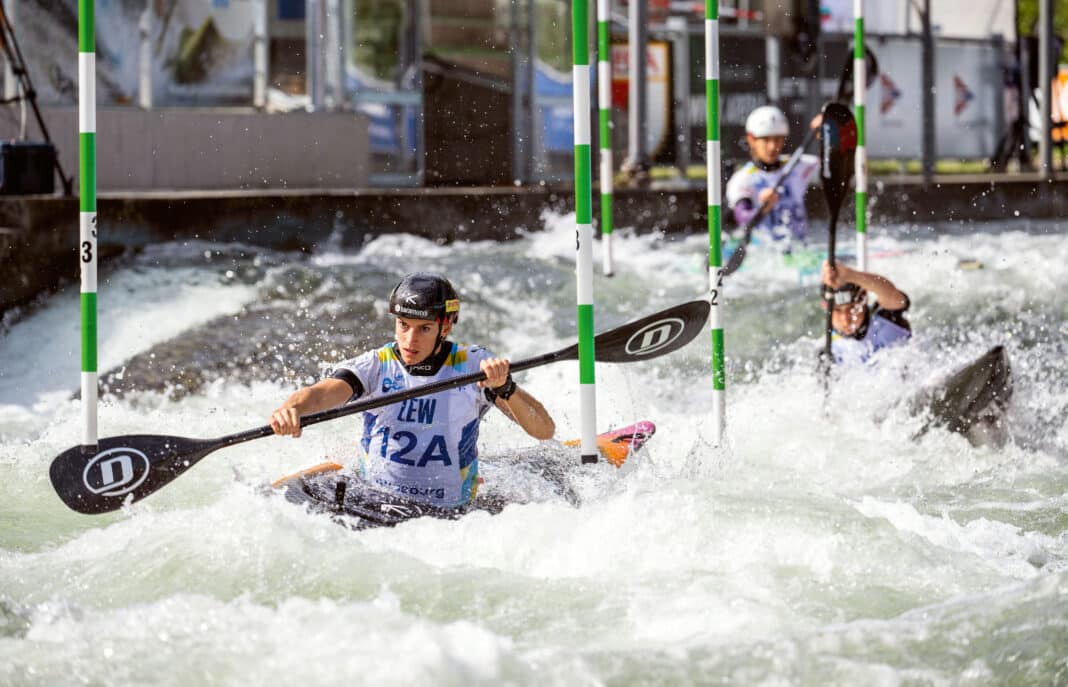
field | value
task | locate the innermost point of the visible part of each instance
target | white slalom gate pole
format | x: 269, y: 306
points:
x: 87, y: 253
x: 715, y: 218
x: 860, y: 85
x: 604, y: 132
x: 584, y: 227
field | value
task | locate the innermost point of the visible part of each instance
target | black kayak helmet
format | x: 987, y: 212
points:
x: 425, y: 296
x: 846, y: 294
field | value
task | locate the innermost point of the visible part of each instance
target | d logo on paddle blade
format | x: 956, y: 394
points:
x: 655, y: 336
x: 115, y: 472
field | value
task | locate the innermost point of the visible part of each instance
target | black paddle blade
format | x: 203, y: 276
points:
x: 653, y: 336
x: 126, y: 467
x: 838, y: 146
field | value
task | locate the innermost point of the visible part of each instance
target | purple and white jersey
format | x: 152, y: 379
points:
x: 881, y: 332
x: 786, y: 221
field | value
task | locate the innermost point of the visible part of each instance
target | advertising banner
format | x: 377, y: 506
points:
x: 657, y: 91
x: 552, y: 90
x: 48, y: 36
x: 969, y: 107
x: 201, y: 50
x: 949, y: 18
x: 554, y: 116
x: 895, y: 100
x: 880, y: 16
x: 969, y: 116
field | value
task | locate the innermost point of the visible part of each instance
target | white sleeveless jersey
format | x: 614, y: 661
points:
x: 787, y: 220
x: 424, y: 449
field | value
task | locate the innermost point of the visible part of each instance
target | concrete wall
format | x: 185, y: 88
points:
x: 213, y: 148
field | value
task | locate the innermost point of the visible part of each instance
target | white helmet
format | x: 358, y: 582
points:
x: 767, y: 121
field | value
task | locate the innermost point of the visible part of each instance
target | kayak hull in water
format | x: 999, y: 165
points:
x: 973, y: 401
x: 329, y: 488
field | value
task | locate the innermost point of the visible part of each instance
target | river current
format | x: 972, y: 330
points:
x: 830, y: 541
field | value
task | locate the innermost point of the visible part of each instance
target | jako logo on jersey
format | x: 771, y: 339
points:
x: 392, y: 384
x: 652, y: 337
x: 116, y: 472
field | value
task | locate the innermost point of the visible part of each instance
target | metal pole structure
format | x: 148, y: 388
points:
x: 11, y: 84
x: 860, y: 85
x: 259, y: 55
x: 680, y: 56
x: 1026, y: 92
x: 521, y: 58
x: 331, y: 55
x: 773, y: 58
x: 637, y: 18
x: 928, y: 95
x: 604, y: 132
x: 580, y: 84
x: 144, y: 63
x: 715, y: 217
x: 313, y: 47
x: 420, y: 88
x: 87, y: 253
x: 1045, y: 75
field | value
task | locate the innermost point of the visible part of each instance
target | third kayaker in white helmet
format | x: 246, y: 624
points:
x: 751, y: 186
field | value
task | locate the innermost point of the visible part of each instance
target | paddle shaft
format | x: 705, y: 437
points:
x: 838, y: 145
x: 389, y: 399
x: 832, y: 231
x: 789, y: 167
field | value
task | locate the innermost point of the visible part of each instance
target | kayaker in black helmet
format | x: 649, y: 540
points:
x: 861, y: 329
x: 423, y: 450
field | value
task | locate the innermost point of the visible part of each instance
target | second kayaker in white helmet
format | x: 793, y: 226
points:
x: 750, y: 187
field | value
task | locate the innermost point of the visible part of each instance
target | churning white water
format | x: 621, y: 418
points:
x: 830, y: 542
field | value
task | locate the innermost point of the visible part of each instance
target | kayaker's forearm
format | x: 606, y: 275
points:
x: 888, y: 295
x: 318, y: 397
x: 530, y: 414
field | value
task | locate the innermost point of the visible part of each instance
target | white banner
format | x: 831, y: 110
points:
x: 895, y: 101
x: 880, y: 16
x: 968, y: 100
x: 949, y: 18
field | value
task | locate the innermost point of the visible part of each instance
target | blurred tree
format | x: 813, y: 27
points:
x: 1028, y: 19
x: 376, y: 38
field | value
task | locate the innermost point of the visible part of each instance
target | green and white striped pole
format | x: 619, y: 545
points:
x: 580, y: 76
x: 715, y: 217
x: 87, y: 217
x: 860, y: 85
x: 604, y: 111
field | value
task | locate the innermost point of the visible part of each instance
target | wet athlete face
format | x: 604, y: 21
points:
x: 766, y: 149
x: 418, y: 339
x: 846, y: 319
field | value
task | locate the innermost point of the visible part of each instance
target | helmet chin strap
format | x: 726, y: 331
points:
x: 441, y: 337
